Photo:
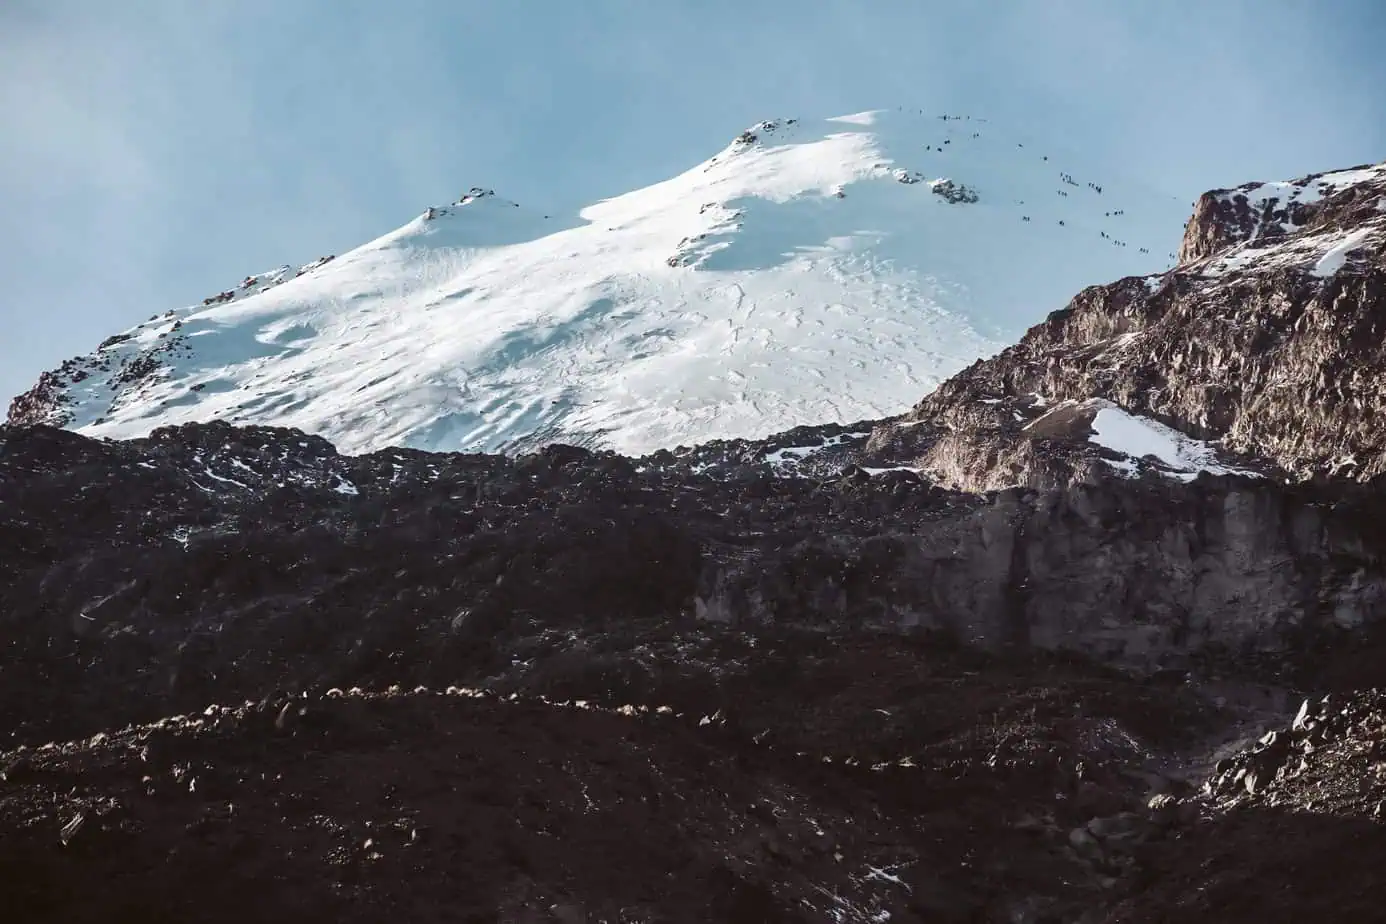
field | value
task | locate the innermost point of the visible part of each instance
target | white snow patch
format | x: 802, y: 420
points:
x: 215, y: 477
x: 1342, y: 179
x: 1139, y: 437
x: 1337, y: 255
x: 1302, y: 192
x: 891, y: 468
x: 1310, y: 192
x: 874, y: 872
x: 343, y: 486
x: 1321, y: 254
x: 1234, y: 261
x: 792, y: 454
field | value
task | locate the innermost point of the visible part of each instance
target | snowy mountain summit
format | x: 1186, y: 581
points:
x: 811, y: 271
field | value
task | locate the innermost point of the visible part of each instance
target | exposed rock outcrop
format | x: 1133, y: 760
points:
x: 1287, y: 828
x: 768, y: 657
x: 1266, y: 212
x: 1269, y: 351
x: 50, y: 400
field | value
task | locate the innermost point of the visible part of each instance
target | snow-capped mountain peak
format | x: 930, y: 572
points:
x: 810, y: 271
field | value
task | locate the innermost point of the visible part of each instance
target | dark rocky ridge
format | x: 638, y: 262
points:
x: 1278, y: 365
x: 440, y: 805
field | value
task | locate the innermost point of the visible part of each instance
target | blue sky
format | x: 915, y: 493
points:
x: 156, y: 151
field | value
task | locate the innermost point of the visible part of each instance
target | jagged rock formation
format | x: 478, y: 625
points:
x: 1267, y: 342
x: 1268, y: 212
x: 1285, y: 829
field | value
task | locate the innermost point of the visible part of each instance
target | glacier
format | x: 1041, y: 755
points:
x: 811, y: 271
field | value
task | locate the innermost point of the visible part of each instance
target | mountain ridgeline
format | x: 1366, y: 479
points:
x: 812, y: 270
x: 1087, y: 634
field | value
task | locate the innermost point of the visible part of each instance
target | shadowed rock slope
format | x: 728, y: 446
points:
x: 211, y: 561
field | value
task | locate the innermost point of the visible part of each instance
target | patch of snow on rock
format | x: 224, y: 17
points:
x: 792, y: 454
x: 1140, y: 437
x: 1336, y: 257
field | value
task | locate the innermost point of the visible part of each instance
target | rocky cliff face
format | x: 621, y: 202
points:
x: 1269, y: 212
x: 1261, y: 352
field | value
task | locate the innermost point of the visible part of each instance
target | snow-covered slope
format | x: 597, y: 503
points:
x: 818, y: 271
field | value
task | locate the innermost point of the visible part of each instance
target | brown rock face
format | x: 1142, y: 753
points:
x: 1217, y: 223
x: 1223, y: 218
x: 42, y: 404
x: 1269, y: 341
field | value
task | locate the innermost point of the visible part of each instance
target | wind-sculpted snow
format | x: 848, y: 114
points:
x: 810, y: 272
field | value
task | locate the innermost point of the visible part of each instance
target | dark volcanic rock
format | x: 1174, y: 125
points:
x: 455, y: 805
x: 1288, y: 829
x: 147, y: 577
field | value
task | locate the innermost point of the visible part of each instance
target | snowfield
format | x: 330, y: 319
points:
x: 810, y: 272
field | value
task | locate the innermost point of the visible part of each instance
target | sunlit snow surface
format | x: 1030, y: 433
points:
x: 1179, y: 456
x: 813, y: 274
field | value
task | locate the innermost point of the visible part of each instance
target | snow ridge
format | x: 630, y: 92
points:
x: 811, y: 271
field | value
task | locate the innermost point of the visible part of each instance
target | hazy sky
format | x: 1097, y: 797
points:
x: 153, y: 152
